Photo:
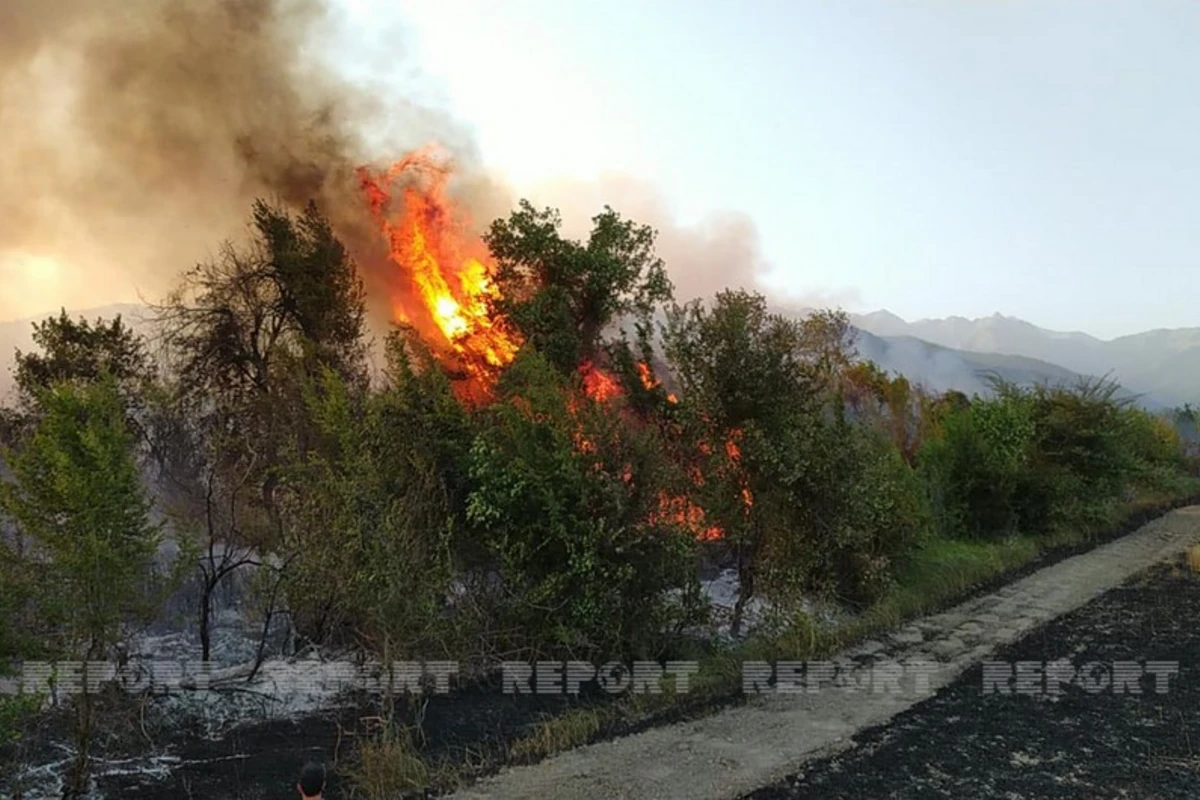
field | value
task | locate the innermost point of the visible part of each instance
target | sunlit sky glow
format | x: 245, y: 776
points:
x: 1036, y: 159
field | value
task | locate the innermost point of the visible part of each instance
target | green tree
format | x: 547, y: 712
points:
x: 76, y: 495
x: 77, y: 351
x: 234, y: 325
x: 977, y: 462
x: 797, y: 488
x: 561, y: 294
x: 245, y: 334
x: 245, y: 330
x: 372, y: 504
x: 744, y: 374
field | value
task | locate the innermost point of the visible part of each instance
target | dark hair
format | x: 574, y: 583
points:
x: 312, y: 779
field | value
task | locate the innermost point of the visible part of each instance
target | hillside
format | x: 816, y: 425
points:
x: 1164, y: 365
x: 942, y: 368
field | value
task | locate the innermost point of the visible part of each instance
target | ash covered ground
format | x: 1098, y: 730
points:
x: 1077, y: 744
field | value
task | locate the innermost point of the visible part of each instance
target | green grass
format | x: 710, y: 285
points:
x: 941, y: 571
x: 391, y: 765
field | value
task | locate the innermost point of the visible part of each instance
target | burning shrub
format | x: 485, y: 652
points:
x: 838, y: 503
x: 808, y: 501
x: 564, y: 492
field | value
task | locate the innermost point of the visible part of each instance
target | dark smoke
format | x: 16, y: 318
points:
x: 135, y: 133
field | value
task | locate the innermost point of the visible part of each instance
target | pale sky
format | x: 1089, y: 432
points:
x: 1040, y: 159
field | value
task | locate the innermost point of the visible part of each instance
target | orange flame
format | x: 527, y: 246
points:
x: 448, y: 271
x: 447, y: 292
x: 650, y: 381
x: 680, y: 510
x: 598, y: 384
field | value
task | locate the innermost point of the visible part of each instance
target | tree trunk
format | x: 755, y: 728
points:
x: 77, y: 776
x: 745, y: 572
x: 205, y: 619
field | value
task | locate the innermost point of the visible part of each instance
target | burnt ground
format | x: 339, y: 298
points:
x: 262, y: 760
x: 156, y: 754
x: 169, y: 758
x: 964, y: 742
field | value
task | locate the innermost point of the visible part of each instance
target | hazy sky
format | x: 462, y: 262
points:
x: 1039, y: 159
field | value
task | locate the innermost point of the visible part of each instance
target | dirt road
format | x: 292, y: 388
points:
x: 759, y: 744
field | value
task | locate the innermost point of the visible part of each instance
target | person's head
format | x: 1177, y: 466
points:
x: 312, y: 781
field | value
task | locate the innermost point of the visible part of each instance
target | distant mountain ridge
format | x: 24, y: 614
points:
x: 1162, y: 364
x: 940, y: 368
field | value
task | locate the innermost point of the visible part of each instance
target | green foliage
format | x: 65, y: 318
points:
x: 237, y: 324
x: 77, y: 351
x: 17, y: 590
x: 737, y: 362
x: 840, y: 504
x: 16, y: 711
x: 319, y: 292
x: 560, y: 294
x: 809, y: 502
x: 976, y: 464
x: 398, y: 520
x: 565, y: 498
x: 369, y: 510
x: 1044, y: 458
x: 77, y: 497
x: 245, y: 331
x: 889, y: 404
x: 247, y: 334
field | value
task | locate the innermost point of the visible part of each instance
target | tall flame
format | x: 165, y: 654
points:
x: 448, y: 271
x: 446, y: 293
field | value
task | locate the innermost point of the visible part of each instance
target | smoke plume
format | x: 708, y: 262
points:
x: 135, y: 133
x: 718, y: 252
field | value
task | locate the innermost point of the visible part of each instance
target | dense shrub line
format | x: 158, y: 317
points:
x: 391, y: 516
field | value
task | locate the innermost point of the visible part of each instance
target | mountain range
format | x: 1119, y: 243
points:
x: 1160, y: 367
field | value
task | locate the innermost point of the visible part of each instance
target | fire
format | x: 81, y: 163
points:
x: 448, y: 272
x: 682, y: 511
x: 446, y: 292
x: 598, y: 384
x: 651, y: 382
x: 647, y: 377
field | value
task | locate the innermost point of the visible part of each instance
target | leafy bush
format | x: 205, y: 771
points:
x: 974, y: 463
x: 1044, y: 458
x: 564, y: 493
x: 370, y: 514
x: 850, y: 505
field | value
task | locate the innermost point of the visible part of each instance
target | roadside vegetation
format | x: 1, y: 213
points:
x: 388, y: 515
